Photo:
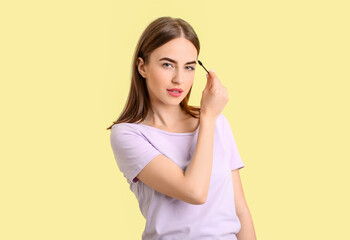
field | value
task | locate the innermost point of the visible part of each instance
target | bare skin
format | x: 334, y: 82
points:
x: 188, y: 124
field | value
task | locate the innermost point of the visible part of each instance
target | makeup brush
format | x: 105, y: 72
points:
x: 200, y: 63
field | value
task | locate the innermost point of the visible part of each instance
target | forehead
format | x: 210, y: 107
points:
x: 179, y: 49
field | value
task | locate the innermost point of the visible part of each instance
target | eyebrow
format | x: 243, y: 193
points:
x: 173, y: 61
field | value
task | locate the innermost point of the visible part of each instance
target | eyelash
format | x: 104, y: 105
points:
x: 188, y: 66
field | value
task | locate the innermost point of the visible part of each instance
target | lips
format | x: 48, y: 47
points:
x: 175, y: 89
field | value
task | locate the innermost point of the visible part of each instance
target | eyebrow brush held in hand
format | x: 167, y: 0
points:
x: 200, y: 63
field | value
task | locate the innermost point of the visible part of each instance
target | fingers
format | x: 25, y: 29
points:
x: 212, y: 78
x: 211, y: 72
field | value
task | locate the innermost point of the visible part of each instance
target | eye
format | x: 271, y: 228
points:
x: 164, y: 64
x: 191, y: 68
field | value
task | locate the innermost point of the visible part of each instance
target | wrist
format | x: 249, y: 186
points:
x: 207, y: 118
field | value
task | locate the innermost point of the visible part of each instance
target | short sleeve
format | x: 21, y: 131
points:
x: 132, y: 150
x: 234, y: 156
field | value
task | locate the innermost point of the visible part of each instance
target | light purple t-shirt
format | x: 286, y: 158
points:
x: 135, y: 145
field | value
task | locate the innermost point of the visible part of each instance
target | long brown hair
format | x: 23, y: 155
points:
x: 158, y: 32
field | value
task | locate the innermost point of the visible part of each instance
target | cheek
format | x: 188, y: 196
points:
x: 190, y: 81
x: 159, y: 76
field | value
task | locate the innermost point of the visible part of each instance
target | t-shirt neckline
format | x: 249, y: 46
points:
x: 163, y: 131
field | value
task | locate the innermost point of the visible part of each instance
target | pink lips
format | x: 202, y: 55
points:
x: 176, y: 89
x: 175, y: 94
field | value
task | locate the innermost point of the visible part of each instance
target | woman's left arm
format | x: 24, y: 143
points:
x: 247, y: 231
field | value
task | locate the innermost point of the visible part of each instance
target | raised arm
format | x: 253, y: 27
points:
x: 191, y: 185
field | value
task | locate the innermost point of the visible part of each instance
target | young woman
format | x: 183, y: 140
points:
x: 181, y: 162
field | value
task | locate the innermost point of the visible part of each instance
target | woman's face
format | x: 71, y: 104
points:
x: 172, y: 65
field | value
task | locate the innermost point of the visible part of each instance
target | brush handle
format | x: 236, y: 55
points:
x: 200, y: 63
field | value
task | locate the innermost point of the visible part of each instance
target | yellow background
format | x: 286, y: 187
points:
x: 65, y: 70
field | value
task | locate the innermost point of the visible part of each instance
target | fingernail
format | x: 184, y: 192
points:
x: 211, y: 70
x: 207, y: 74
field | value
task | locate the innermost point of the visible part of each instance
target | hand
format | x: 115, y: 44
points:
x: 214, y: 96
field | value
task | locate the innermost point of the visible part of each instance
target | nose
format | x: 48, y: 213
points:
x: 178, y: 77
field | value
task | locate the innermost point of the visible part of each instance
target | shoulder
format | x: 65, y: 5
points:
x: 224, y: 124
x: 222, y: 120
x: 124, y: 127
x: 122, y: 130
x: 126, y: 137
x: 119, y: 126
x: 221, y: 117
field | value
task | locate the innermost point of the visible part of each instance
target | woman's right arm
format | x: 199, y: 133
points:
x: 191, y: 185
x: 198, y: 172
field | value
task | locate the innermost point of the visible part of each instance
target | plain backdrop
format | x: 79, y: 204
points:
x: 65, y: 69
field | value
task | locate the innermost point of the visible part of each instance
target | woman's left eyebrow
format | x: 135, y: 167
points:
x: 173, y: 61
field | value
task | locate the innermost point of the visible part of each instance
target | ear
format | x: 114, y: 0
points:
x: 141, y: 67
